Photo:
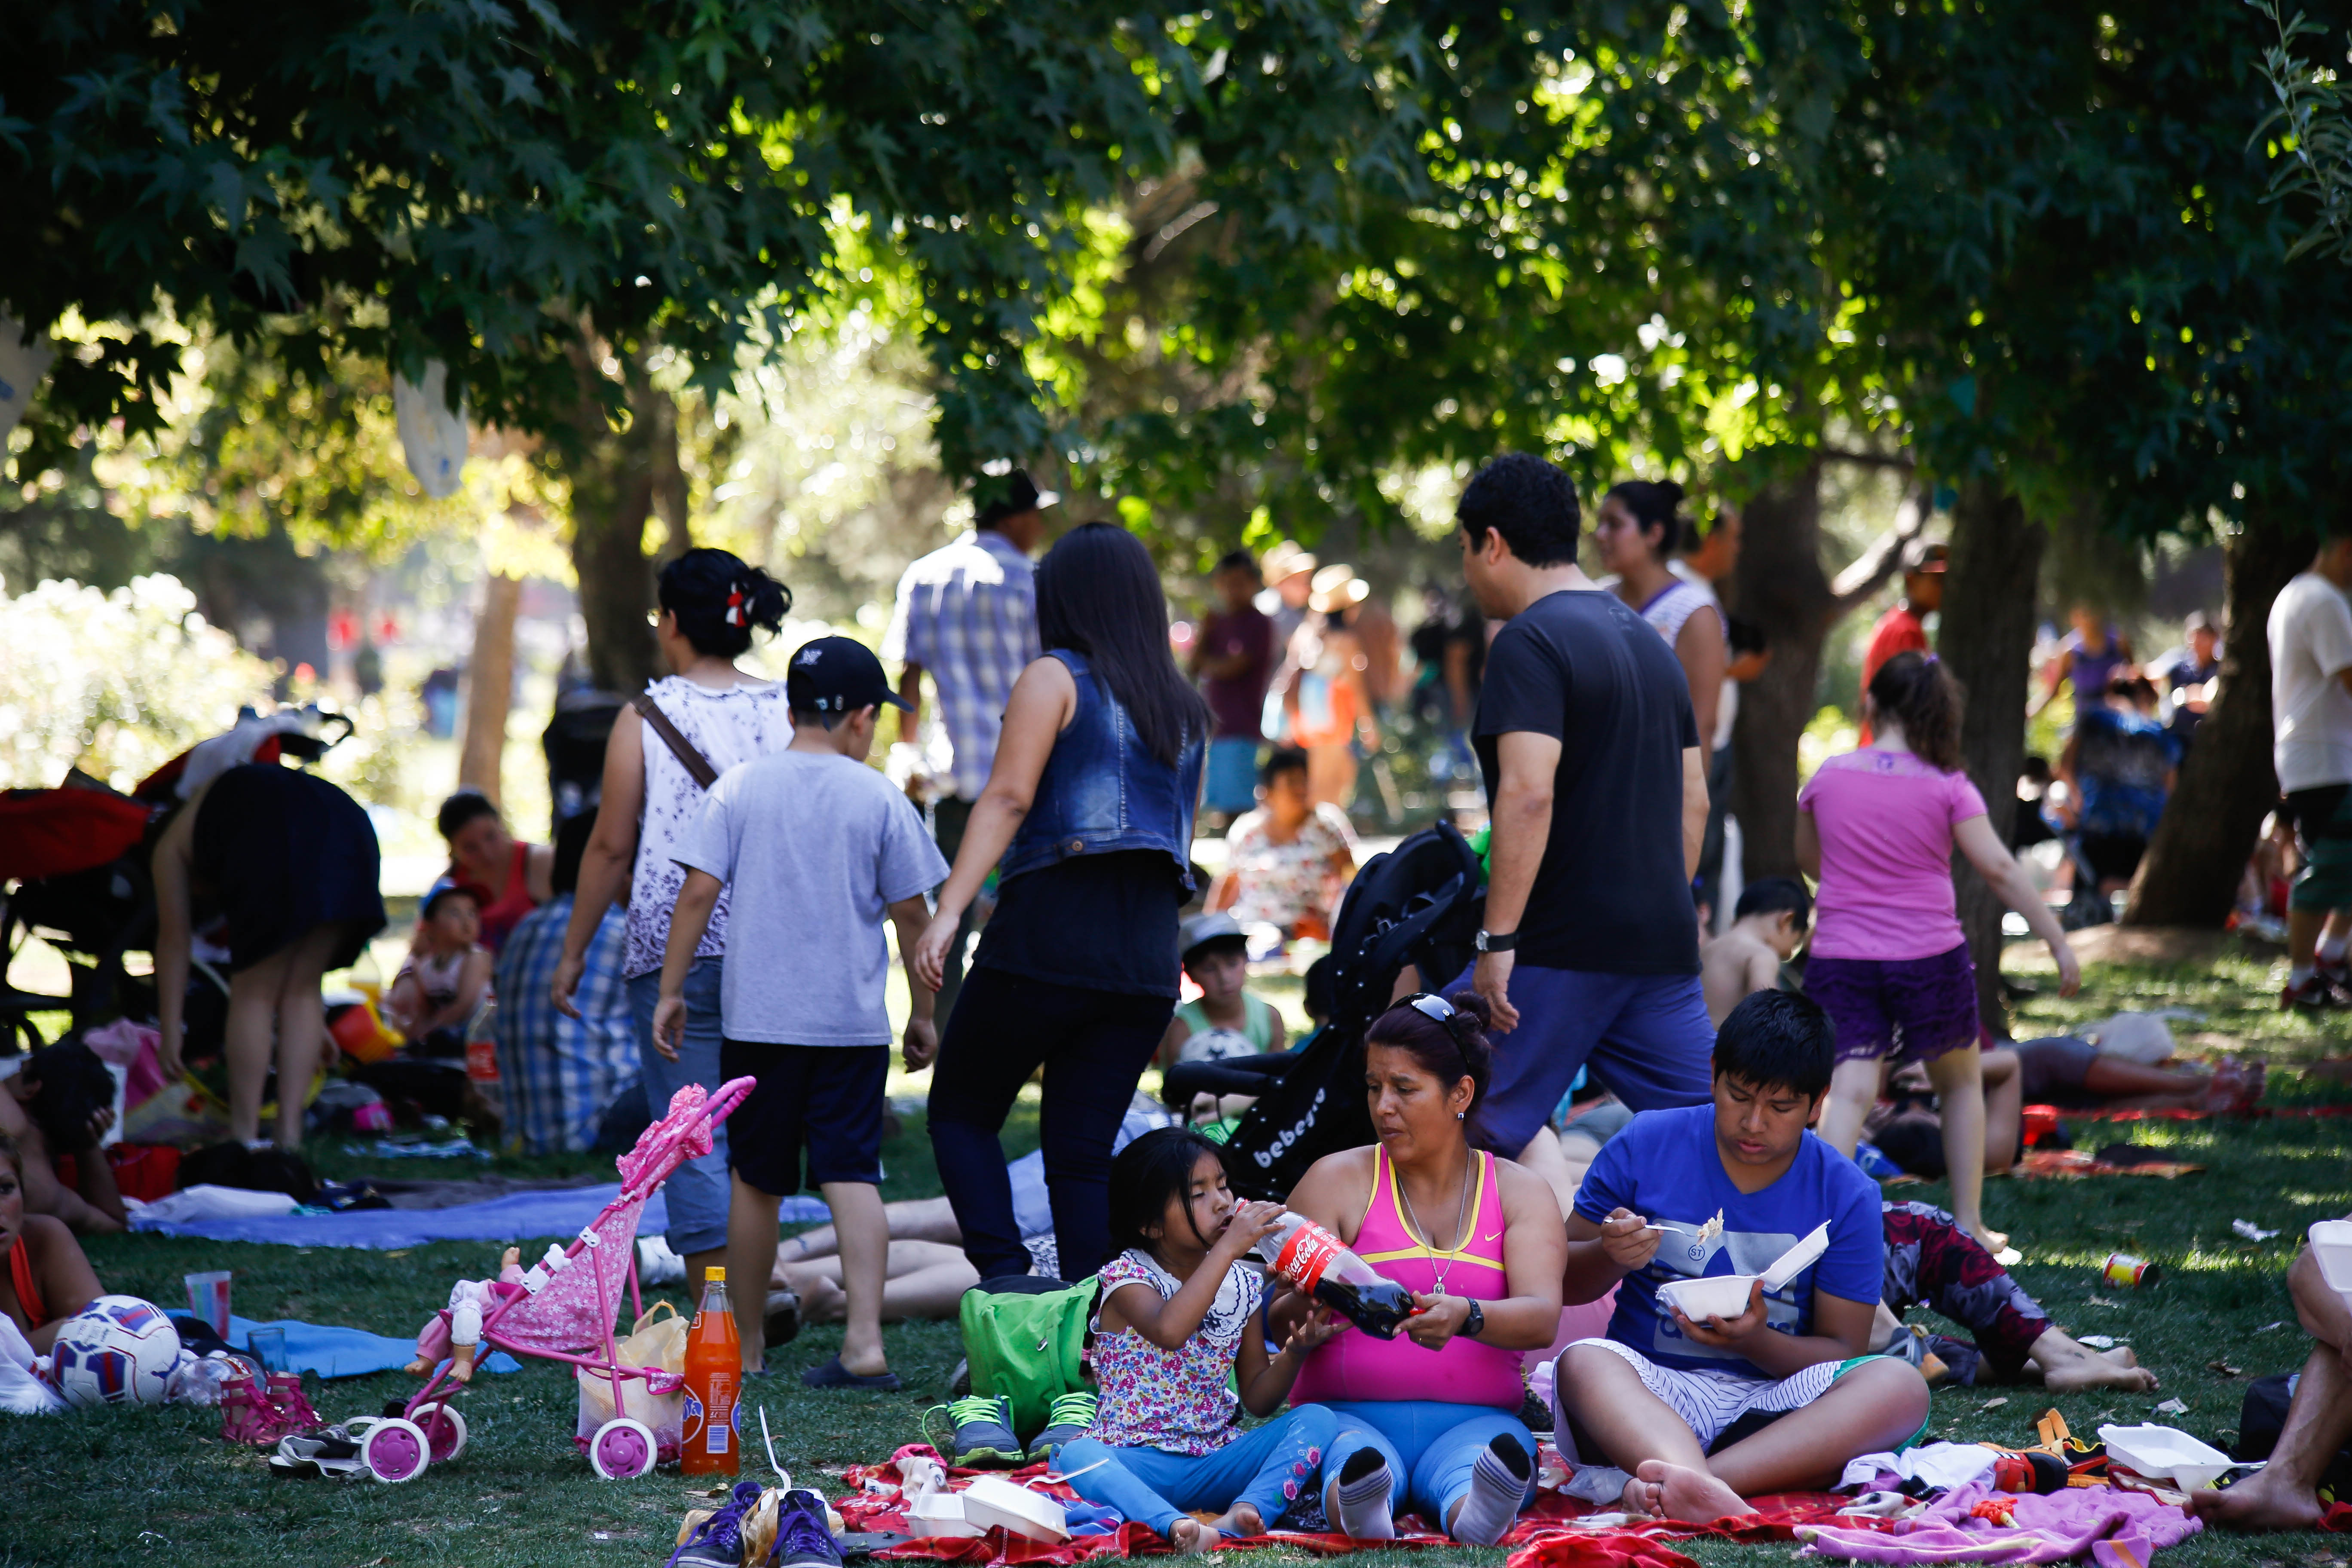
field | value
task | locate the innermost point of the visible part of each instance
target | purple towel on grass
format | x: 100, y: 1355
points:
x: 2112, y: 1526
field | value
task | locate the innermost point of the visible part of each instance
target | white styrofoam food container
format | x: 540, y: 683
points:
x: 1715, y: 1296
x: 2331, y: 1249
x: 1725, y: 1294
x: 2161, y: 1453
x: 991, y: 1501
x: 940, y: 1514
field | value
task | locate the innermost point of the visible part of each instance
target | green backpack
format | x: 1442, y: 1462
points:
x: 1027, y: 1347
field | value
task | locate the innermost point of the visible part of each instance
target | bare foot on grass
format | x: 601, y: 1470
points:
x: 2069, y: 1366
x: 1242, y: 1520
x: 1693, y: 1496
x: 1188, y: 1535
x: 2264, y: 1500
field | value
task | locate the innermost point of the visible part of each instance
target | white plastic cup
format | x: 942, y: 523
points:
x: 208, y: 1299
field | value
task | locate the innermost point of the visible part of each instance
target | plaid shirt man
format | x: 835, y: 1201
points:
x: 969, y: 615
x: 560, y: 1073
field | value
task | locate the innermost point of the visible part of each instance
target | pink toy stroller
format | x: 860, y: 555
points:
x: 569, y: 1299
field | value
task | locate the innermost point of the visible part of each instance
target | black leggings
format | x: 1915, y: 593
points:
x: 1094, y: 1047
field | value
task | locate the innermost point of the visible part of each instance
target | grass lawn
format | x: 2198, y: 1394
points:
x: 150, y: 1486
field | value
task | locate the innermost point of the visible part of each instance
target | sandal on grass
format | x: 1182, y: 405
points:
x: 833, y: 1374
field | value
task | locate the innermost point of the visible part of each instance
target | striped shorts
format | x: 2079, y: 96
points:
x: 1709, y: 1401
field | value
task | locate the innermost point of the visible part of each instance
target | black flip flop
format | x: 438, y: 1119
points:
x: 833, y: 1374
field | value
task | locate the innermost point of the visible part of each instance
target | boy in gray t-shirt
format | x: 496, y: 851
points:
x: 816, y: 849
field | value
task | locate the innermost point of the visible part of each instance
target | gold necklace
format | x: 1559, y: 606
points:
x: 1460, y: 1223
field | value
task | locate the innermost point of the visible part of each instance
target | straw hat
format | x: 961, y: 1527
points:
x: 1337, y: 588
x: 1286, y: 560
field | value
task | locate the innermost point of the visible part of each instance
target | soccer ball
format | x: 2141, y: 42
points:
x: 119, y: 1349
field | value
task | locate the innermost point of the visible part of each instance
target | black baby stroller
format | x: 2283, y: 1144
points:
x: 1418, y: 904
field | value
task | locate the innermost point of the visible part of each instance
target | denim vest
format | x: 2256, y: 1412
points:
x: 1103, y: 790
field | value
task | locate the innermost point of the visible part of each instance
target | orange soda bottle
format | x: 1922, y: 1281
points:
x: 714, y: 1376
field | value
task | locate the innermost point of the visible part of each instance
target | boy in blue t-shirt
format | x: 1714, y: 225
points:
x: 1653, y: 1398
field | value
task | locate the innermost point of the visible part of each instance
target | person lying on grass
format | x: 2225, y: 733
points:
x: 47, y: 1279
x: 1654, y: 1397
x: 1181, y: 1352
x: 1932, y: 1262
x: 2065, y: 1071
x: 2284, y: 1493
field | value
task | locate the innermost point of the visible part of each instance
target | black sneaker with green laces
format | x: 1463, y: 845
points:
x: 983, y: 1432
x: 1067, y: 1417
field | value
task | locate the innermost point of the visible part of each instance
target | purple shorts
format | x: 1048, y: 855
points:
x: 1909, y: 1009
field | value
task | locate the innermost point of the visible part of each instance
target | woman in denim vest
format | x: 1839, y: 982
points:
x: 1089, y: 808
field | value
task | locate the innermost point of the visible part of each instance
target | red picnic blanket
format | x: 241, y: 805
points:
x: 1545, y: 1537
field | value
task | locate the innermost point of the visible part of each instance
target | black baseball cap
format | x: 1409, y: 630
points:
x: 837, y: 675
x: 1021, y: 495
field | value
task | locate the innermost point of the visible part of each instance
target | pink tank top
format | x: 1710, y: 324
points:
x: 1356, y: 1366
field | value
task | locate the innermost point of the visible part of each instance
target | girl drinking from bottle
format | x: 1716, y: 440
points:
x: 1479, y: 1243
x: 1876, y: 829
x: 1176, y: 1328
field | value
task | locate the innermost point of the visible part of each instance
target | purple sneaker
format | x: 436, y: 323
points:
x: 716, y: 1542
x: 801, y: 1539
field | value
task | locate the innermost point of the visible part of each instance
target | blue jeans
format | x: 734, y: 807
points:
x: 1430, y: 1448
x: 1646, y: 1036
x: 697, y: 1191
x: 1268, y: 1467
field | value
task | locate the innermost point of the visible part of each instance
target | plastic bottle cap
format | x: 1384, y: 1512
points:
x: 715, y: 1274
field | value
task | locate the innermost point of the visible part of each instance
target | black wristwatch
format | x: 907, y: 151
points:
x: 1475, y: 1323
x: 1489, y: 941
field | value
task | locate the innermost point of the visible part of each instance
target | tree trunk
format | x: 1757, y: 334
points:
x: 490, y: 685
x: 1780, y: 586
x: 2190, y: 873
x: 1986, y: 639
x: 617, y: 479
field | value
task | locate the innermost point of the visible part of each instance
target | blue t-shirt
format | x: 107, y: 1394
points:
x: 1666, y: 1166
x: 2121, y: 760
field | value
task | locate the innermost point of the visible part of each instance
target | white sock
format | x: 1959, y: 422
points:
x: 1362, y: 1498
x: 2298, y: 975
x: 1498, y: 1484
x: 2331, y: 948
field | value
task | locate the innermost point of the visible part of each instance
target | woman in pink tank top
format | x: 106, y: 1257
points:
x: 1430, y: 1420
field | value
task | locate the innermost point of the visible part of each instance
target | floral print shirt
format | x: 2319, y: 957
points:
x: 727, y: 727
x: 1281, y: 884
x: 1181, y: 1401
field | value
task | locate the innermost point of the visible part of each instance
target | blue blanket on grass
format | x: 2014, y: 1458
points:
x: 519, y: 1216
x: 333, y: 1352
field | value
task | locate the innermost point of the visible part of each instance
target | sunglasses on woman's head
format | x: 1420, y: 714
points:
x: 1429, y: 1005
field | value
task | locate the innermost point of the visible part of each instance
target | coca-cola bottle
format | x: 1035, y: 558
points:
x: 1317, y: 1264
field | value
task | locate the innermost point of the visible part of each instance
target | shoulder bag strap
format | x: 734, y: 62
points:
x: 696, y: 765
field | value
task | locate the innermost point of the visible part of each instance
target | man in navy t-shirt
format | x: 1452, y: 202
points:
x: 1653, y: 1398
x: 1596, y: 784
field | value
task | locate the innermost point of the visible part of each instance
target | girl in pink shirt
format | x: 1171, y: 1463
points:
x: 1876, y: 829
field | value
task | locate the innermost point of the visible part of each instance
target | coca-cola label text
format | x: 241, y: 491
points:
x: 1306, y: 1255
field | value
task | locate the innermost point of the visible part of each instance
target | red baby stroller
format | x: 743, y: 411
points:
x: 562, y: 1306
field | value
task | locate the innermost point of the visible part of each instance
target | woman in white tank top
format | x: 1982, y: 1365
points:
x: 710, y: 602
x: 1635, y: 532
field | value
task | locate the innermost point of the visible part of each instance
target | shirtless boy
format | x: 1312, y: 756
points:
x: 1768, y: 926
